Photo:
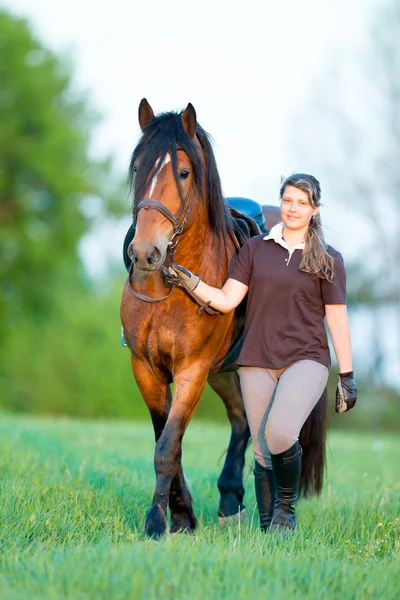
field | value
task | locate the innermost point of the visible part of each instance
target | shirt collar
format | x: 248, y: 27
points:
x: 276, y: 234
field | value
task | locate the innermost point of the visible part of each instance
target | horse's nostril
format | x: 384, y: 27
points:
x: 135, y: 259
x: 154, y: 256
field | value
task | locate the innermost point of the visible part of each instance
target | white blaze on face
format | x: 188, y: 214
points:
x: 154, y: 180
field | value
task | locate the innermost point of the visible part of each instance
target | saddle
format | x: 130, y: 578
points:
x: 248, y: 208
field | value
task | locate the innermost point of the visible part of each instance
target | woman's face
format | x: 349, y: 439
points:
x: 296, y: 210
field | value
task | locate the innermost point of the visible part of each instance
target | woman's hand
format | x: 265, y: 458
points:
x: 346, y: 392
x: 189, y: 279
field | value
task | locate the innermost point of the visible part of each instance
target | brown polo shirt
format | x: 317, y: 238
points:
x: 285, y: 306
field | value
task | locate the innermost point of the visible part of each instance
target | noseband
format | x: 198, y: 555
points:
x: 174, y: 220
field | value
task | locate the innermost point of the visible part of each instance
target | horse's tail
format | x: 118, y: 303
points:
x: 312, y: 440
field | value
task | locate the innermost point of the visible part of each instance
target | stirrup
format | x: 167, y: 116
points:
x: 122, y: 339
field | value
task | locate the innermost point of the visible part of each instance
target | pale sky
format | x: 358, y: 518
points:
x: 245, y: 66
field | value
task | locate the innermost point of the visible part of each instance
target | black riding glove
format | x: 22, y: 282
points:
x: 171, y: 280
x: 346, y: 392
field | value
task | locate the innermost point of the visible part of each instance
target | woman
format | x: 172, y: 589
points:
x: 293, y: 280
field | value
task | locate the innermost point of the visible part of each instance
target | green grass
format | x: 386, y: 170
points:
x: 74, y: 497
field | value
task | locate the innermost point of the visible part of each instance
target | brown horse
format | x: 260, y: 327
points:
x: 180, y: 215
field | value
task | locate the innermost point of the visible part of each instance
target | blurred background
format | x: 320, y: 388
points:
x: 282, y: 87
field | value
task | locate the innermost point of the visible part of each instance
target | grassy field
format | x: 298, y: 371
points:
x: 74, y: 497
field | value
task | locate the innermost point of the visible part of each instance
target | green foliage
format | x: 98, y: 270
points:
x: 47, y: 181
x: 361, y: 286
x: 72, y: 363
x: 45, y: 174
x: 74, y: 496
x: 377, y: 408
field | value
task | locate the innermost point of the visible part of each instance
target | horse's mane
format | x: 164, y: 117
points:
x: 165, y: 133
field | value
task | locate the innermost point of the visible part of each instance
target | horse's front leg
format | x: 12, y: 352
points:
x: 180, y: 500
x: 188, y: 387
x: 157, y: 395
x: 183, y: 518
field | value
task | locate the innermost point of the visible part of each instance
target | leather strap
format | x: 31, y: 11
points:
x: 204, y: 306
x: 142, y: 296
x: 150, y: 203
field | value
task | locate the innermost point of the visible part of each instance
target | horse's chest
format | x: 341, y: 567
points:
x: 170, y: 336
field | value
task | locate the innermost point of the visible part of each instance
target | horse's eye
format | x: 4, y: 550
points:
x: 134, y: 168
x: 184, y: 174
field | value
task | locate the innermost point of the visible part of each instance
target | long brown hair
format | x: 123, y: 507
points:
x: 316, y: 259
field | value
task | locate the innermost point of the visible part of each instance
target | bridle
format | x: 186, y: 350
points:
x: 173, y: 242
x: 179, y: 228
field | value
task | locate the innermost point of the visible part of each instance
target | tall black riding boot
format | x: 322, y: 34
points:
x: 265, y: 494
x: 286, y: 468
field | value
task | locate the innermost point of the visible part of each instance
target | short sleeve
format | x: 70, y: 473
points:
x: 334, y: 292
x: 241, y: 269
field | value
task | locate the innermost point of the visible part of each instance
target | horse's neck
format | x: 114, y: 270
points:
x: 202, y: 252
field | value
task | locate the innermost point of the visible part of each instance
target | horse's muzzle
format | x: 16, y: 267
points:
x: 146, y: 259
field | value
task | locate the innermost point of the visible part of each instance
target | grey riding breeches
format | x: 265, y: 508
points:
x: 278, y: 402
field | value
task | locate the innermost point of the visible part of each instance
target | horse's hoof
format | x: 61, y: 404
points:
x: 156, y: 522
x: 179, y: 530
x: 239, y: 517
x: 183, y: 523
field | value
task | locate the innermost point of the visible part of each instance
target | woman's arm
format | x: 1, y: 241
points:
x: 225, y: 299
x: 338, y: 325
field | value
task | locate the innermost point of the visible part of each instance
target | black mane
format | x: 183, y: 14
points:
x: 165, y: 133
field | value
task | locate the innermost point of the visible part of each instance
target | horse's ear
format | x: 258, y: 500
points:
x: 146, y: 114
x: 189, y: 120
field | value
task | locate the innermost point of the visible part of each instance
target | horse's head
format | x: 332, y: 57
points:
x: 166, y: 175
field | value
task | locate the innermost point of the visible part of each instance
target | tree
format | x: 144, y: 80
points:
x: 46, y: 174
